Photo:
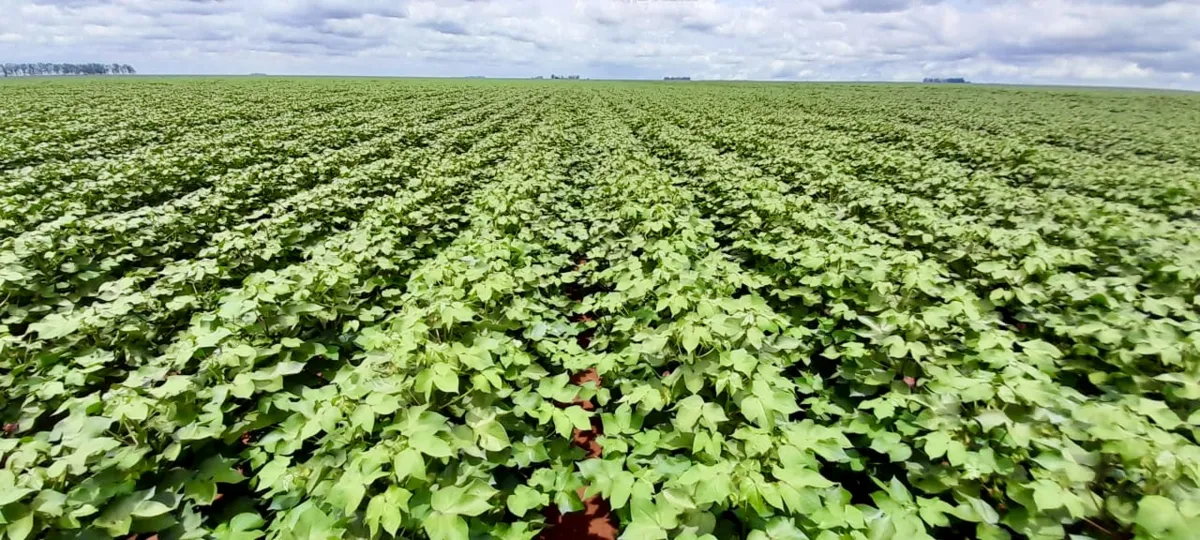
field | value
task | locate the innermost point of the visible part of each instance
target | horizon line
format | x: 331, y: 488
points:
x: 601, y: 79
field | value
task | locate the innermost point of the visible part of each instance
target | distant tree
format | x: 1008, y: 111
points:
x: 10, y: 69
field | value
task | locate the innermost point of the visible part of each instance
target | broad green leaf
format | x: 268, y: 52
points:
x: 688, y: 412
x: 387, y: 510
x: 1156, y: 515
x: 9, y: 492
x: 470, y: 500
x: 440, y: 526
x: 753, y: 409
x: 525, y: 498
x: 408, y: 464
x: 431, y: 445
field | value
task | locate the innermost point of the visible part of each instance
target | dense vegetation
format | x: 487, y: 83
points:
x: 44, y: 68
x: 278, y: 308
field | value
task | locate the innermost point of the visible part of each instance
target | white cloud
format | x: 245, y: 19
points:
x: 1146, y: 42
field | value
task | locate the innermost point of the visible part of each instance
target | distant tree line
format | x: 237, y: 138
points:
x: 951, y: 80
x: 44, y: 68
x: 677, y: 78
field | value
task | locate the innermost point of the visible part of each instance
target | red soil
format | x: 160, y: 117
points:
x: 587, y: 439
x: 595, y: 522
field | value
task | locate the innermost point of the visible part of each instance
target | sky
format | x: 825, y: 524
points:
x: 1152, y: 43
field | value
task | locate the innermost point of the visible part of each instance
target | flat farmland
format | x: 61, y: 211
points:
x: 243, y: 308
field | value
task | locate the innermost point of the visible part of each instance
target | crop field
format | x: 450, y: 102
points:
x: 251, y: 308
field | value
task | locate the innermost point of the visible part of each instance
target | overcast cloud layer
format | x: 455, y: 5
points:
x: 1101, y: 42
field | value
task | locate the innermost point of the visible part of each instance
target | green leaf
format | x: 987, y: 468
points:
x: 754, y: 410
x: 580, y: 419
x: 271, y: 472
x: 470, y: 500
x: 525, y: 498
x: 991, y: 418
x: 363, y: 417
x: 20, y: 528
x: 482, y: 291
x: 348, y: 492
x: 937, y: 443
x: 977, y: 510
x: 742, y: 361
x: 150, y: 508
x: 1047, y: 495
x: 243, y: 526
x: 431, y: 445
x: 387, y: 510
x: 1157, y: 515
x: 444, y: 378
x: 54, y: 326
x: 690, y: 338
x: 622, y: 486
x: 804, y: 478
x: 492, y: 436
x: 933, y: 511
x: 49, y: 503
x: 9, y: 492
x: 647, y: 530
x: 409, y: 464
x: 688, y: 412
x: 440, y: 526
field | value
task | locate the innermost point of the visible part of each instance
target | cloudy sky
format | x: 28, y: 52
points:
x: 1093, y: 42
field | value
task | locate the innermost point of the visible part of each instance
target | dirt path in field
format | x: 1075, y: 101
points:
x: 596, y: 521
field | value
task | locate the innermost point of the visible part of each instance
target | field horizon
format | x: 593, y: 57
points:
x: 1049, y: 86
